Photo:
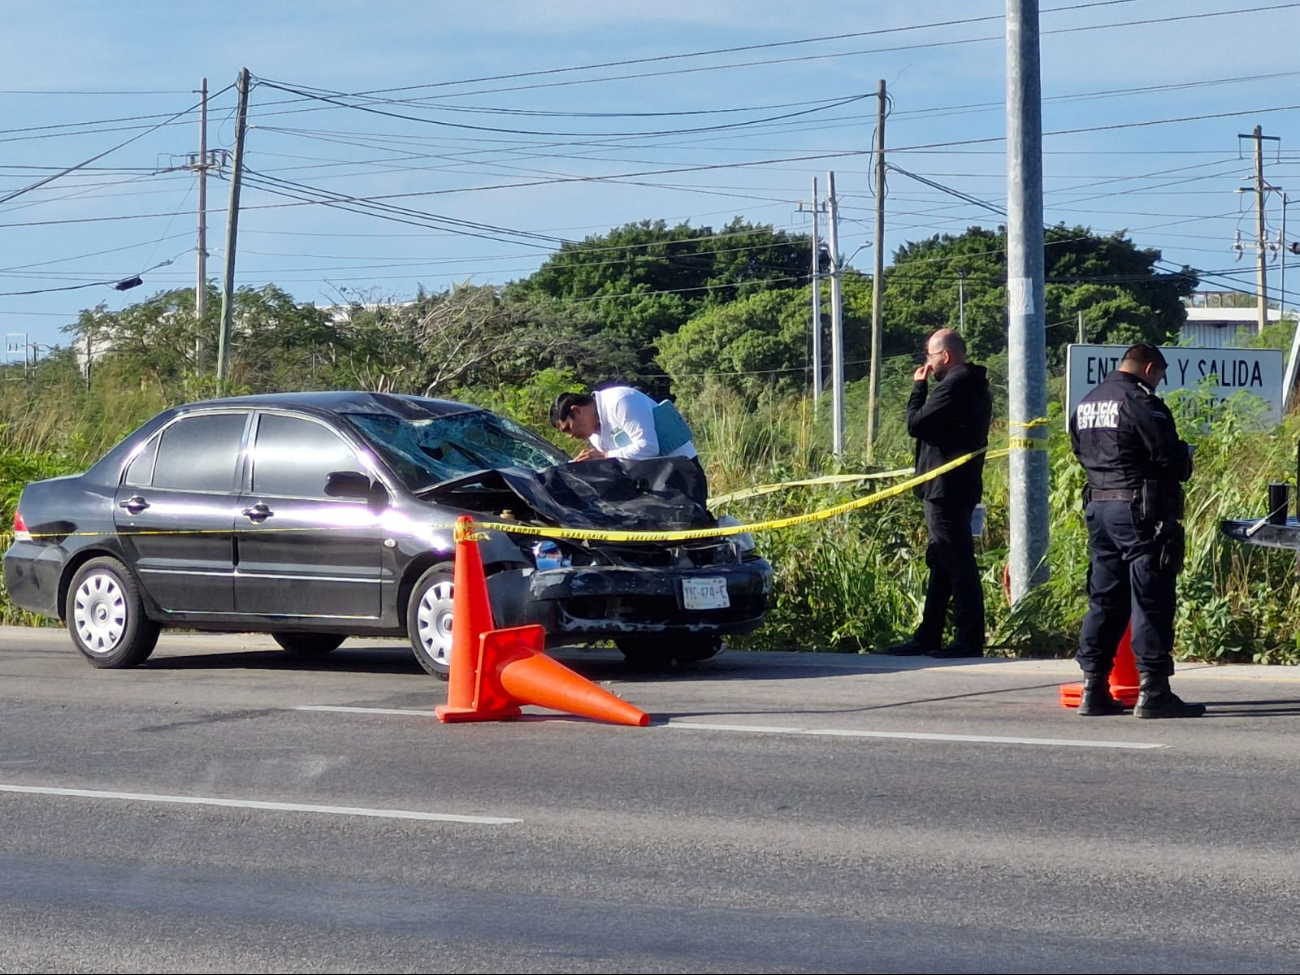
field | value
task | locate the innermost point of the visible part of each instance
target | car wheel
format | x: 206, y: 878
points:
x: 665, y: 651
x: 106, y: 616
x: 309, y: 644
x: 428, y: 619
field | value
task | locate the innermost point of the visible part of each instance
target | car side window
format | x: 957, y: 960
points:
x: 293, y: 455
x: 200, y: 453
x: 139, y: 473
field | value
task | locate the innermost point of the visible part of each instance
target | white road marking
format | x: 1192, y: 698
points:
x: 261, y: 804
x: 910, y: 735
x: 340, y: 709
x: 825, y: 732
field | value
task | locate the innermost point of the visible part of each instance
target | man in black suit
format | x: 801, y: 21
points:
x: 948, y: 422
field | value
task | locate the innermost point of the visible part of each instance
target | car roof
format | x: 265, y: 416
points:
x: 352, y: 401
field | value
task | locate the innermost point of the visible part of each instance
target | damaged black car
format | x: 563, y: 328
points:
x: 319, y: 516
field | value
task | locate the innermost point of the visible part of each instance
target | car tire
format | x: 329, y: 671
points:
x: 428, y: 619
x: 106, y: 616
x: 309, y: 644
x: 667, y: 651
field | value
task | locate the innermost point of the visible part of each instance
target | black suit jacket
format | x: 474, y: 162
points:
x: 947, y: 422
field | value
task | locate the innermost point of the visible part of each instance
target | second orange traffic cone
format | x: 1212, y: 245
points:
x: 514, y: 663
x: 1124, y: 679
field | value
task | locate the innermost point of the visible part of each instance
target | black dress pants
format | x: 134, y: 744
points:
x: 954, y: 577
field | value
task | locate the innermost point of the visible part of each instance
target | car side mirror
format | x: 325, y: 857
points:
x: 348, y: 484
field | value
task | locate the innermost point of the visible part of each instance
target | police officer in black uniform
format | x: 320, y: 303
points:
x: 1125, y: 438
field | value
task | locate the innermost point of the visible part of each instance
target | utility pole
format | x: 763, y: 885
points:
x: 201, y: 286
x: 1288, y: 382
x: 877, y: 282
x: 200, y: 166
x: 816, y: 280
x: 199, y: 163
x: 232, y: 235
x: 1083, y: 332
x: 837, y: 325
x: 1027, y: 334
x: 961, y: 303
x: 1261, y: 242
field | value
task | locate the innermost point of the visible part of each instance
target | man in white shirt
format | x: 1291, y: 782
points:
x: 624, y: 423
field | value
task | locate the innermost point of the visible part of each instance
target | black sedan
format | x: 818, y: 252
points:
x: 319, y: 516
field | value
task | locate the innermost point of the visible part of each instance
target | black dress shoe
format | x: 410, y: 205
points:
x: 909, y: 648
x: 955, y: 650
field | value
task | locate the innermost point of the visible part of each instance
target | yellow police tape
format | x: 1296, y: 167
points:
x: 592, y: 534
x: 615, y: 535
x: 1029, y: 443
x: 827, y: 479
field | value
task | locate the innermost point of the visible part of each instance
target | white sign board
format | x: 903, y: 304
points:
x: 1254, y: 371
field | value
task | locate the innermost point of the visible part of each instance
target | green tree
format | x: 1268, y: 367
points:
x: 763, y: 343
x: 471, y: 336
x: 276, y: 343
x: 645, y: 280
x: 1124, y: 298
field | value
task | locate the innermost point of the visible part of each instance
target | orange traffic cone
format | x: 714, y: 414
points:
x: 494, y: 671
x: 471, y: 618
x: 513, y: 669
x: 1124, y: 679
x: 515, y: 661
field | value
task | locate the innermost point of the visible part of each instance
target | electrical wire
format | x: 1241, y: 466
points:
x: 71, y: 169
x: 335, y: 100
x: 813, y: 57
x: 90, y: 284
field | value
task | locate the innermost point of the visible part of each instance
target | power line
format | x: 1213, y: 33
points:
x: 111, y: 250
x: 726, y: 50
x: 488, y: 128
x: 49, y: 179
x: 120, y: 283
x: 818, y: 57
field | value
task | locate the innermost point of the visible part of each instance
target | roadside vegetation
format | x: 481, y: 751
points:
x: 719, y: 321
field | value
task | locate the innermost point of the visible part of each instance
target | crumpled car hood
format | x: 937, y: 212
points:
x: 663, y: 493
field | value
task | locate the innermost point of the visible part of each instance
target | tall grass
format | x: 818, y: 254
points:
x: 853, y: 583
x: 856, y: 582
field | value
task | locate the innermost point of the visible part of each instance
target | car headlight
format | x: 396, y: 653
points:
x: 743, y: 541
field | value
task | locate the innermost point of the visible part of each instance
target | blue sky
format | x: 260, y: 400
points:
x: 555, y: 153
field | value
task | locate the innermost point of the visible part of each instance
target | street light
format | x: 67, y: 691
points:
x: 865, y: 243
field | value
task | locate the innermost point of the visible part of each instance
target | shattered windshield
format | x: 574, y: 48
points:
x: 426, y: 451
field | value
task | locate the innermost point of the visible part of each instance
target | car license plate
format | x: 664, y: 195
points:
x: 708, y: 593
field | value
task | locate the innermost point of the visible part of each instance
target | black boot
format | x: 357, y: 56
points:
x: 1156, y: 700
x: 1096, y: 699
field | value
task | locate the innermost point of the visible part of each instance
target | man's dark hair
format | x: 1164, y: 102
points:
x: 1144, y: 354
x: 564, y: 404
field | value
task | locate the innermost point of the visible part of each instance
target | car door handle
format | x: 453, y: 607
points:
x: 134, y: 504
x: 258, y: 512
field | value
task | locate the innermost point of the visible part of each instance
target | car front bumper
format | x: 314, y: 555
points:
x: 614, y: 601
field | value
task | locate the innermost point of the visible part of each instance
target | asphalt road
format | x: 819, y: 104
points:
x: 783, y: 813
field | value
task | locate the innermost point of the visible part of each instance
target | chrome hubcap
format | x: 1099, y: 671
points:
x: 434, y: 619
x: 99, y: 613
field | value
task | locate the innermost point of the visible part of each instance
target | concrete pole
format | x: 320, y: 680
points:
x: 816, y: 301
x: 201, y: 285
x: 232, y: 236
x: 877, y: 282
x: 1288, y: 383
x: 1261, y: 241
x: 1027, y: 333
x: 837, y: 326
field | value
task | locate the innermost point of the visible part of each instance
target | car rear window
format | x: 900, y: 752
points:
x: 200, y: 453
